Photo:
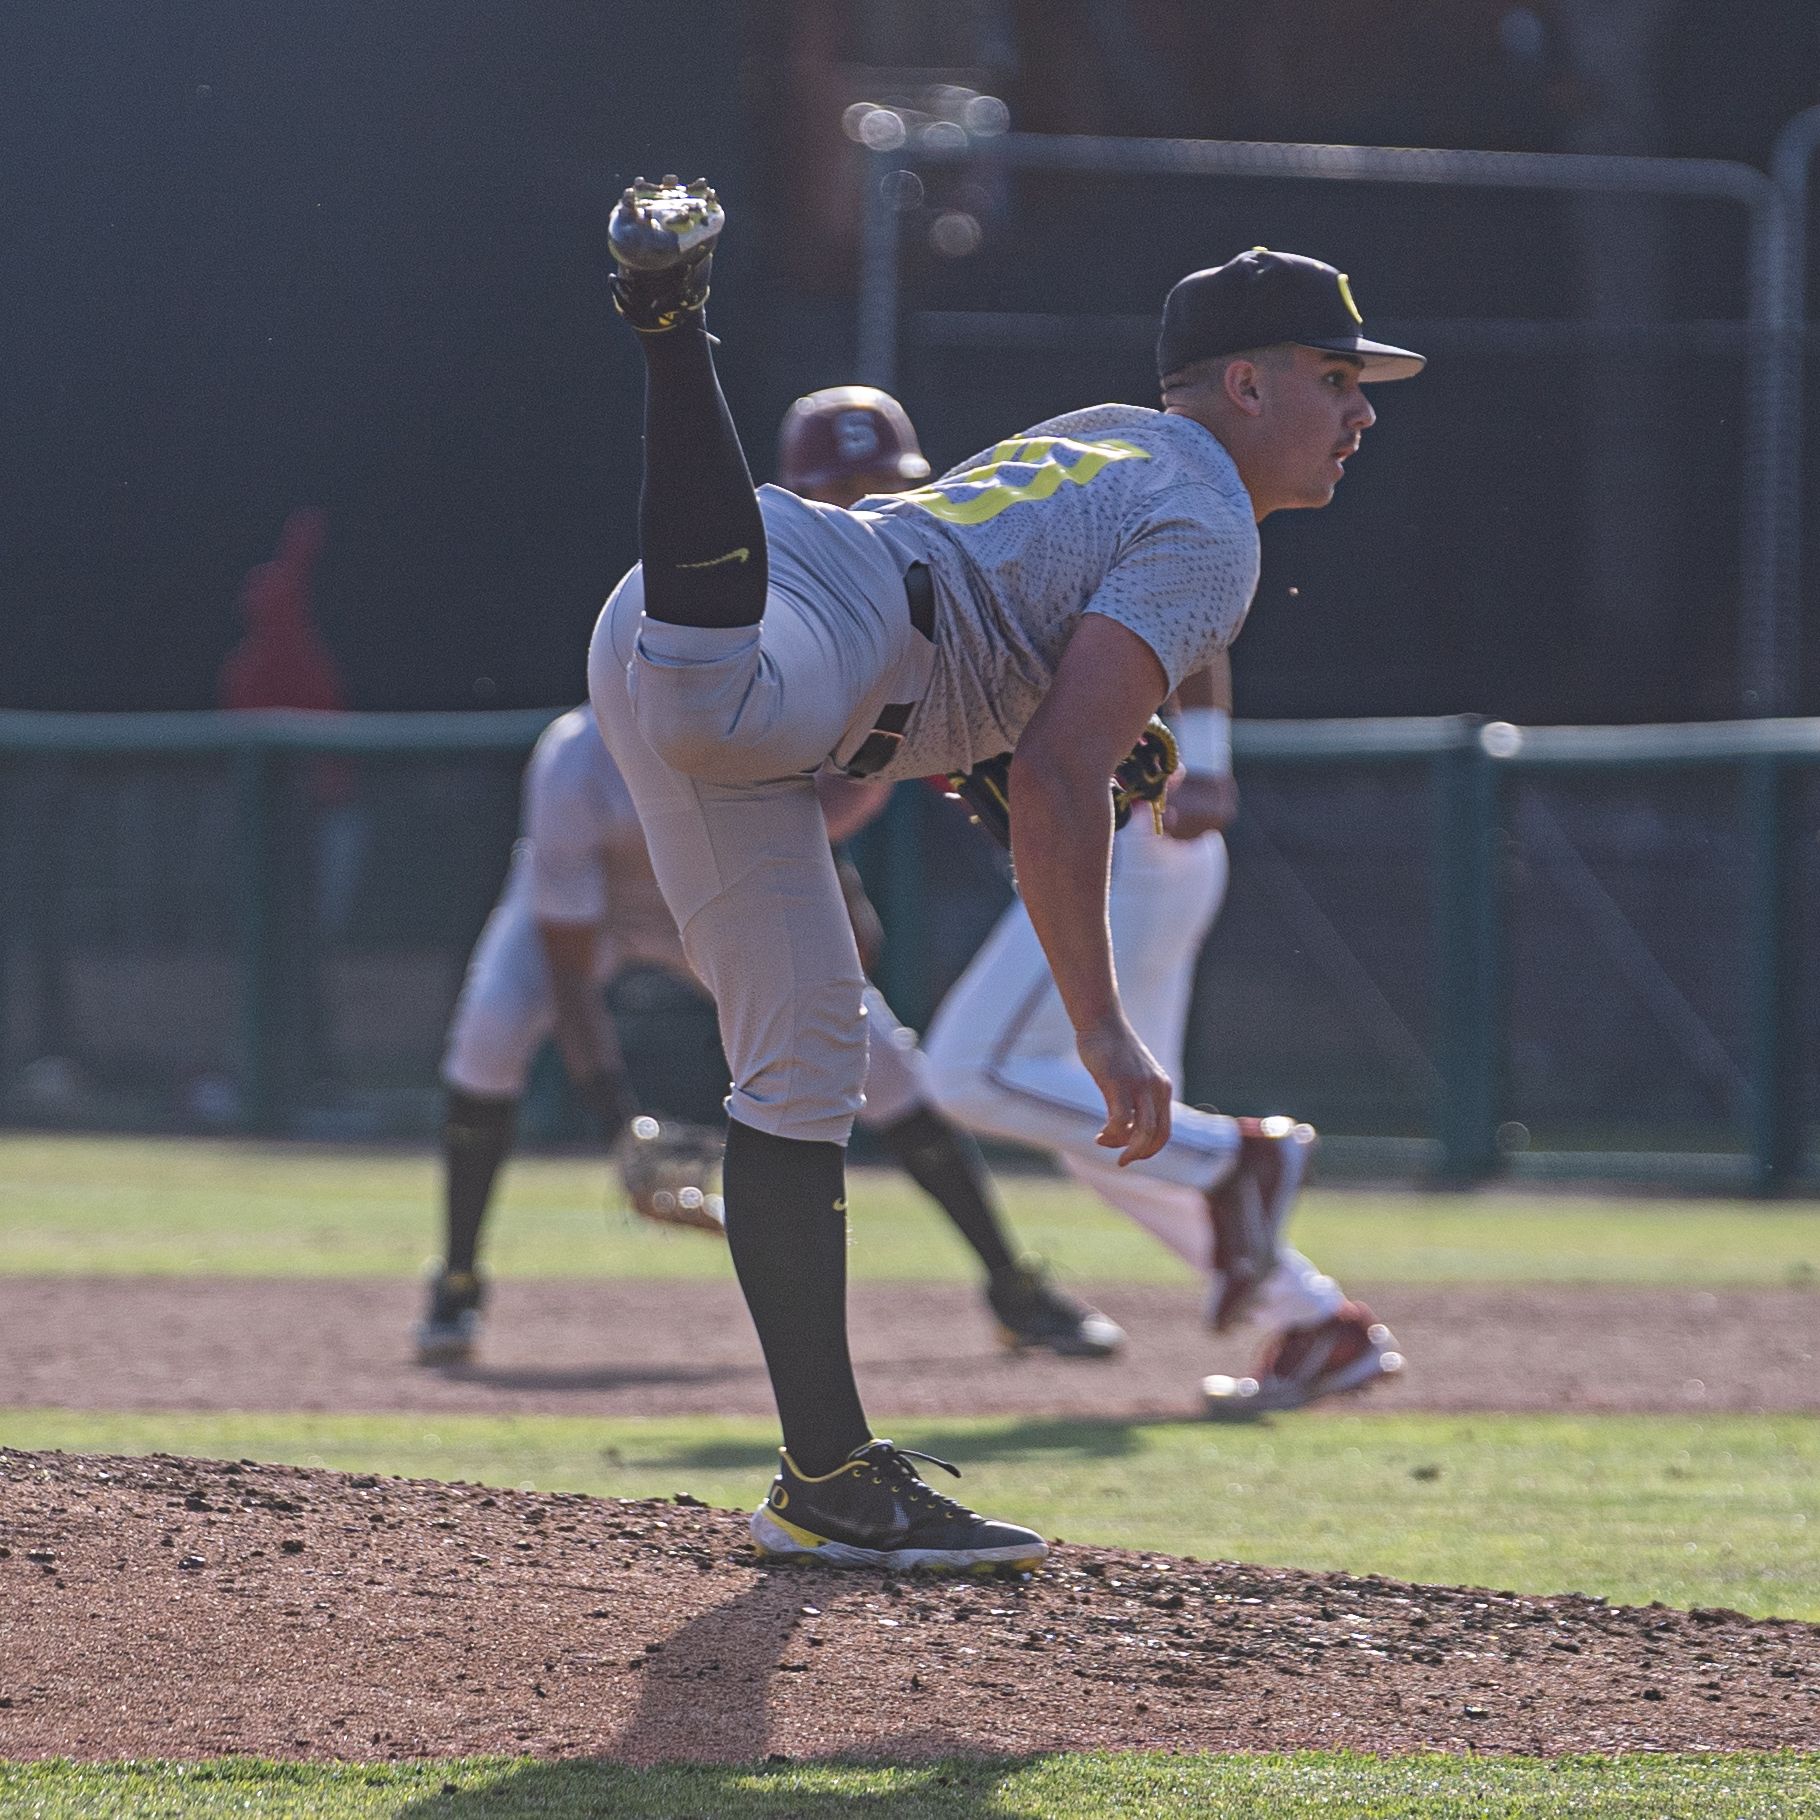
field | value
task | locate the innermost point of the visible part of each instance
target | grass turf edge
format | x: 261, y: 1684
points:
x: 1434, y: 1786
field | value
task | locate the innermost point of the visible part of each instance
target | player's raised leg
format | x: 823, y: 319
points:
x: 700, y: 533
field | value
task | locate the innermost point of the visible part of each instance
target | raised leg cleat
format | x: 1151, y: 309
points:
x: 662, y: 238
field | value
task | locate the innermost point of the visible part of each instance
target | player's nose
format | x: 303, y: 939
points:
x: 1361, y: 417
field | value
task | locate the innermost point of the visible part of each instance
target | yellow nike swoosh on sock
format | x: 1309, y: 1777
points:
x: 742, y: 554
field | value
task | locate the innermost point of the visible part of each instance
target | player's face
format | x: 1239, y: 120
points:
x: 1315, y: 412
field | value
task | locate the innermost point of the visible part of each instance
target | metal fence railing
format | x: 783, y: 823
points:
x: 1462, y: 950
x: 1771, y: 333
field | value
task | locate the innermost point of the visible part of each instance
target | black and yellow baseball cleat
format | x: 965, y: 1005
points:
x: 662, y: 239
x: 873, y: 1511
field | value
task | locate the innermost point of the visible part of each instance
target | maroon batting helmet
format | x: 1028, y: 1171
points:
x: 848, y: 440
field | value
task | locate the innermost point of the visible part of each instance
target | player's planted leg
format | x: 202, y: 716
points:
x: 700, y: 534
x: 477, y: 1134
x: 786, y: 1205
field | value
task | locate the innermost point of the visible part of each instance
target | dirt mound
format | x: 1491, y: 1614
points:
x: 664, y: 1348
x: 181, y: 1608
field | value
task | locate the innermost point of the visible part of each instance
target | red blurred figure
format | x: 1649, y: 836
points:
x: 282, y: 661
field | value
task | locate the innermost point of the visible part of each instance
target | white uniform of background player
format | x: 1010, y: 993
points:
x: 1003, y: 1060
x: 582, y: 859
x: 581, y: 904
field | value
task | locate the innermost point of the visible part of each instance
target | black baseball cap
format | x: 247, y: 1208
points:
x: 1263, y: 298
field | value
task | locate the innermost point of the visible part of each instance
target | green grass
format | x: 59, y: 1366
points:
x: 187, y: 1206
x: 1710, y: 1511
x: 1085, y: 1787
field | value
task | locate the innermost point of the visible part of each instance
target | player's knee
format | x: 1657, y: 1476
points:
x: 488, y: 1053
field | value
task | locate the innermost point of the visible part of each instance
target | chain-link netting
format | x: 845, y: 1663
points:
x: 189, y: 944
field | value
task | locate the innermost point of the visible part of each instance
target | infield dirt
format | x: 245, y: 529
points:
x: 175, y: 1608
x: 677, y: 1348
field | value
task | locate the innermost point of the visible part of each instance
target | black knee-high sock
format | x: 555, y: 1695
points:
x: 945, y: 1162
x: 699, y: 529
x: 787, y: 1230
x: 476, y: 1134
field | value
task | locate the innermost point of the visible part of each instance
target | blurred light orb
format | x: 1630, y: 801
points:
x: 1513, y: 1136
x: 986, y: 116
x: 882, y: 130
x: 645, y: 1127
x: 943, y: 136
x: 1523, y: 36
x: 903, y: 190
x: 1502, y: 740
x: 955, y: 234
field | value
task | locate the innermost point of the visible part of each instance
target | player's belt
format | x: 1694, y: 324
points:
x: 880, y: 745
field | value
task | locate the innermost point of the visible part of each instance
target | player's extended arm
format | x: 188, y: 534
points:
x: 584, y: 1032
x: 1106, y: 687
x: 1203, y: 799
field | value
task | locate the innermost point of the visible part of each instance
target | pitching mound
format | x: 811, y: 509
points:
x: 180, y: 1608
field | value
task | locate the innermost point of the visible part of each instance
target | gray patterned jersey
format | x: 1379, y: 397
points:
x: 1132, y: 513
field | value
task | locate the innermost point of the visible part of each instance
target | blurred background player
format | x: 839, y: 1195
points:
x: 580, y: 905
x: 1002, y: 1059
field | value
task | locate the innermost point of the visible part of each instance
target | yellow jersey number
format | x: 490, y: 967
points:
x: 1024, y: 468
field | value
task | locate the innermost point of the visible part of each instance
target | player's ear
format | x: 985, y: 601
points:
x: 1240, y: 384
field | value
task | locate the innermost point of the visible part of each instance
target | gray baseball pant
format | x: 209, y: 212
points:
x: 717, y: 732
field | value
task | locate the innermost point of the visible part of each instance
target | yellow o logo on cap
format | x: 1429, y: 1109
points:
x: 1346, y: 298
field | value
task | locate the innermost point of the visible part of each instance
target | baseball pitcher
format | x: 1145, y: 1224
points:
x: 1043, y: 599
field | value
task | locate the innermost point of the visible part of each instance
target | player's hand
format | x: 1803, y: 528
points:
x: 1137, y: 1091
x: 1199, y: 804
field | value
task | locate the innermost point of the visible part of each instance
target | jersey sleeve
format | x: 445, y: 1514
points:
x: 1183, y: 578
x: 567, y: 880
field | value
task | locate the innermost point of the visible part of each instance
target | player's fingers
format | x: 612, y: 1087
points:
x: 1150, y: 1129
x: 1121, y: 1110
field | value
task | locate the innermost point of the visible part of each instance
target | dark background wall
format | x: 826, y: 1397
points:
x: 353, y: 256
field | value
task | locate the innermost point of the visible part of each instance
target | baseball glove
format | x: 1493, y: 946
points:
x: 1141, y: 776
x: 671, y: 1174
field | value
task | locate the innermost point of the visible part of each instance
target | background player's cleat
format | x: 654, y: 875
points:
x: 873, y: 1511
x: 1249, y: 1210
x: 451, y: 1323
x: 1031, y: 1311
x: 1350, y: 1350
x: 662, y: 239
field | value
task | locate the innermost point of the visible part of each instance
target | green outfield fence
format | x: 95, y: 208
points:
x: 1464, y: 950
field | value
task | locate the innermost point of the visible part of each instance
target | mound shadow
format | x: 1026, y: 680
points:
x: 1005, y: 1441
